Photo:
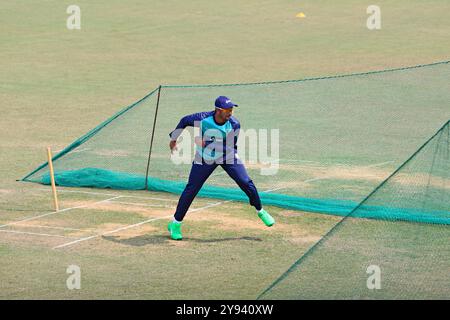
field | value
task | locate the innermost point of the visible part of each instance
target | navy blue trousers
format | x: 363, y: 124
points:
x: 201, y: 172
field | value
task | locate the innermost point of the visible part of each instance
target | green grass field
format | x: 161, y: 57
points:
x: 56, y: 84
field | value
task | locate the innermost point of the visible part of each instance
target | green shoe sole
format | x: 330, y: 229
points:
x: 175, y: 231
x: 266, y: 218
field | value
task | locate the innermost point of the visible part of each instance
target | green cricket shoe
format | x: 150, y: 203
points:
x: 266, y: 218
x: 175, y: 230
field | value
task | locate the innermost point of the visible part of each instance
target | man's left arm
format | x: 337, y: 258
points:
x: 236, y: 129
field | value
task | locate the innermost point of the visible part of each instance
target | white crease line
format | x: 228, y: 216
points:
x: 209, y: 206
x: 296, y: 160
x: 218, y: 174
x: 309, y: 180
x: 81, y: 150
x: 379, y: 164
x: 49, y: 227
x: 79, y: 191
x: 270, y: 190
x: 111, y: 194
x: 74, y: 151
x: 37, y: 234
x: 135, y: 225
x: 143, y: 204
x: 144, y: 222
x: 315, y: 179
x: 150, y: 198
x: 55, y: 212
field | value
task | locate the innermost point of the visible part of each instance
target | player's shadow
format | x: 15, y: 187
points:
x: 144, y: 240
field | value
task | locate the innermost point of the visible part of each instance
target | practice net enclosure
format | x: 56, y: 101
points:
x: 330, y: 140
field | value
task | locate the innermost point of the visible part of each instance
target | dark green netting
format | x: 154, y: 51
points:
x: 413, y: 258
x: 340, y: 137
x: 99, y: 178
x: 343, y: 145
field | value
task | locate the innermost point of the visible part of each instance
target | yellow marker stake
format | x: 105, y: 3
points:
x: 52, y: 178
x: 301, y: 15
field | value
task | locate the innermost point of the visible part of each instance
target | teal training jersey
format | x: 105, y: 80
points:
x: 220, y: 139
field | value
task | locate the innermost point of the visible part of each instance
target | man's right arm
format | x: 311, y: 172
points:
x: 187, y: 121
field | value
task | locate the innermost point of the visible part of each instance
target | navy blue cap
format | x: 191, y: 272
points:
x: 224, y: 103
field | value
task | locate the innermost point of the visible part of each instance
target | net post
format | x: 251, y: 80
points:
x: 151, y: 139
x: 52, y: 178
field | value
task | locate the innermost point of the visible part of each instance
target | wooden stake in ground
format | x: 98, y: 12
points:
x: 52, y: 178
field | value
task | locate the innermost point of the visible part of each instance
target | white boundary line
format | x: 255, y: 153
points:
x: 134, y: 225
x: 55, y: 212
